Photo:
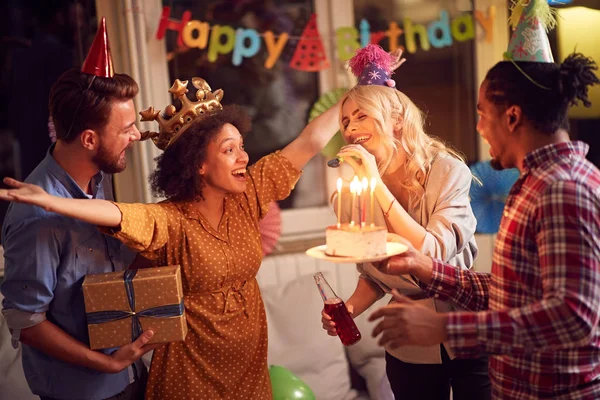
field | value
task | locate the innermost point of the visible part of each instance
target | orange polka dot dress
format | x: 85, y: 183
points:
x: 224, y: 355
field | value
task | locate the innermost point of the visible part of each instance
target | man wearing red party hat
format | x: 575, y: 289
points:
x: 538, y: 313
x: 47, y: 256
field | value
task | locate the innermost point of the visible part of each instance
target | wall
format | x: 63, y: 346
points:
x: 571, y: 37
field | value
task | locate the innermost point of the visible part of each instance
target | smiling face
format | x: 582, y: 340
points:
x: 224, y: 170
x: 494, y: 128
x: 360, y: 128
x: 116, y: 137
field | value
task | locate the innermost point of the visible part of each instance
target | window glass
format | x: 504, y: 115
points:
x: 440, y: 80
x: 278, y: 98
x: 40, y: 40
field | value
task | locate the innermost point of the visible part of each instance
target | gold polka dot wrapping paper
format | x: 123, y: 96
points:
x: 121, y: 305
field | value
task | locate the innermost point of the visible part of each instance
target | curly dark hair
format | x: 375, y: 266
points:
x: 545, y: 109
x: 176, y: 175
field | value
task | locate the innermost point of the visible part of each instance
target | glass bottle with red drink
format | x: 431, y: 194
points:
x: 336, y: 309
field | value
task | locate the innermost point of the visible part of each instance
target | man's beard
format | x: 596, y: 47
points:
x: 495, y: 164
x: 107, y: 163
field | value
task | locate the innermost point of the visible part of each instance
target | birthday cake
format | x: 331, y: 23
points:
x: 354, y: 241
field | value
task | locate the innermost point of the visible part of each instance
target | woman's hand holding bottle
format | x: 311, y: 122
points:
x: 336, y: 310
x: 328, y: 323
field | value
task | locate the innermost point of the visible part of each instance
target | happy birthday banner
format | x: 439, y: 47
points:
x: 309, y: 54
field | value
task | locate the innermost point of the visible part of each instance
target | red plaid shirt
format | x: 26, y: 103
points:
x: 541, y: 304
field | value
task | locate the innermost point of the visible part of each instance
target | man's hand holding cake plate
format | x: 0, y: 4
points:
x: 405, y: 322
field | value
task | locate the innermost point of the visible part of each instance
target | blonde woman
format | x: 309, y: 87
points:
x: 422, y: 191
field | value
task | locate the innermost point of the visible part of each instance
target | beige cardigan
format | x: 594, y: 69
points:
x: 445, y: 212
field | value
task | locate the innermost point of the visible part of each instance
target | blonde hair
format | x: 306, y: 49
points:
x: 384, y: 104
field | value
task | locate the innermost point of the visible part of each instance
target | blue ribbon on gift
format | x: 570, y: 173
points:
x: 101, y: 317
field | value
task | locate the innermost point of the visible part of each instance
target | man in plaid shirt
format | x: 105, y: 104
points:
x: 538, y: 313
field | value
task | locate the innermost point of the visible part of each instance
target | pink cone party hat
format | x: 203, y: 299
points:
x: 372, y: 66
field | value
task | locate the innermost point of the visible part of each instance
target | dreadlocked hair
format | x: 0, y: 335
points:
x: 546, y: 109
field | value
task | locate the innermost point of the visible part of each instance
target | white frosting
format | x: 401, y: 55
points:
x: 354, y: 242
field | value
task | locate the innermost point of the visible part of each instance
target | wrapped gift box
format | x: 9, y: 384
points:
x: 121, y: 305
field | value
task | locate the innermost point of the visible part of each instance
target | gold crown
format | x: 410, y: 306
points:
x: 172, y: 123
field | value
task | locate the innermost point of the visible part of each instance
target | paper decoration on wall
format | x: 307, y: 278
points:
x: 310, y: 54
x: 270, y: 228
x: 324, y: 103
x: 174, y: 25
x: 488, y: 198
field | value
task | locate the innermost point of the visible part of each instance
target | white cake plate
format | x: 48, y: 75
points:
x: 392, y: 248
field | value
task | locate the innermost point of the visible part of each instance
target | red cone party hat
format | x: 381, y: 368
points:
x: 99, y: 61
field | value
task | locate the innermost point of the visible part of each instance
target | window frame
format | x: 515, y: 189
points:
x: 132, y: 24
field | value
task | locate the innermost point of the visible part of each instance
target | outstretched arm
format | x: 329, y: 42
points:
x: 94, y: 211
x: 313, y: 138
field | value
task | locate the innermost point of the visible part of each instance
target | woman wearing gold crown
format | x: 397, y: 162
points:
x: 423, y: 192
x: 209, y: 226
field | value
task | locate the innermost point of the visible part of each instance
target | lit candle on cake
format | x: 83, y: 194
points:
x: 339, y: 201
x: 373, y: 182
x: 359, y: 193
x: 365, y: 186
x: 353, y: 192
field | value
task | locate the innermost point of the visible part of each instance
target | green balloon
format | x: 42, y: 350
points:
x: 287, y: 386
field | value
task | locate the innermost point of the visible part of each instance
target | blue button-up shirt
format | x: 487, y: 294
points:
x: 46, y: 258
